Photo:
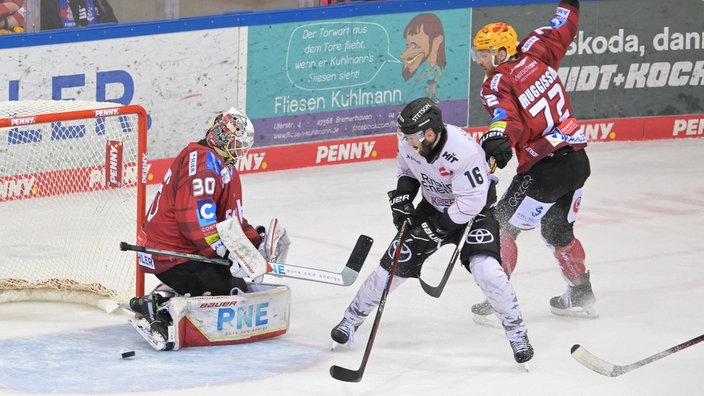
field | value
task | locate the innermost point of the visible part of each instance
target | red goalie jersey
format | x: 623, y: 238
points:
x: 527, y: 99
x: 198, y: 191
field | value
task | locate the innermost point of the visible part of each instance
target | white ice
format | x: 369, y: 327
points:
x: 641, y: 223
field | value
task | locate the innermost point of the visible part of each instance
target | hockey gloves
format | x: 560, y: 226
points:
x: 497, y: 145
x: 402, y: 209
x: 426, y: 238
x: 235, y: 269
x: 275, y: 242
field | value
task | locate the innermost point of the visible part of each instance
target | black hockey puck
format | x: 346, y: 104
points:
x: 127, y: 354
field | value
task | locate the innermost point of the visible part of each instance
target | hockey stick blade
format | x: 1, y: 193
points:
x: 344, y: 278
x: 436, y: 291
x: 601, y: 366
x: 346, y: 375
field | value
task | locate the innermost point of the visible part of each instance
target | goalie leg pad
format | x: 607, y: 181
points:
x: 235, y: 319
x: 219, y: 320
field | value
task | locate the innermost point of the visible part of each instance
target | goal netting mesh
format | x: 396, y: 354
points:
x: 72, y: 187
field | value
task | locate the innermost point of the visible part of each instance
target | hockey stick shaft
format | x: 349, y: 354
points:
x: 347, y: 375
x: 601, y: 366
x: 436, y: 291
x: 344, y: 278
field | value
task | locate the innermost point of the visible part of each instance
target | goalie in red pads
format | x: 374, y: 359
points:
x: 201, y: 189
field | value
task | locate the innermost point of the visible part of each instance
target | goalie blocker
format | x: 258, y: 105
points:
x: 221, y: 320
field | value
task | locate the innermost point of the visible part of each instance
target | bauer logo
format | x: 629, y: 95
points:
x: 206, y: 212
x: 529, y: 43
x: 494, y: 84
x: 192, y: 163
x: 113, y: 163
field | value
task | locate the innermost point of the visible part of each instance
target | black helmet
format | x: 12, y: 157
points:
x: 420, y: 115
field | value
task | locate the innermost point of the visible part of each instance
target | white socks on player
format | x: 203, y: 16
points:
x: 369, y: 295
x: 493, y: 281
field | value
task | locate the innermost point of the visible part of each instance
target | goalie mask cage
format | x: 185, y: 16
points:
x: 72, y: 186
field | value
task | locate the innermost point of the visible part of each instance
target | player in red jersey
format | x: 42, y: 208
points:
x: 200, y: 189
x: 532, y: 116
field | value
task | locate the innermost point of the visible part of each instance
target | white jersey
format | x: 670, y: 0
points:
x: 457, y: 180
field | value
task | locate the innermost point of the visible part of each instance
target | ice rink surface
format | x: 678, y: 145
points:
x: 641, y: 223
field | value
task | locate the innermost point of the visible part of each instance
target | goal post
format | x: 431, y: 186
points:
x: 73, y: 178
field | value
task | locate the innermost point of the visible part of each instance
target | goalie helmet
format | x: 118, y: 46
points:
x: 493, y: 37
x: 231, y: 135
x: 418, y: 116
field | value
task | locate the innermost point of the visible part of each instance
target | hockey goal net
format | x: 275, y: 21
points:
x: 72, y: 187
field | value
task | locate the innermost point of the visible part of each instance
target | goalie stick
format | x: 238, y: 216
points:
x: 601, y: 366
x: 347, y: 375
x: 344, y: 278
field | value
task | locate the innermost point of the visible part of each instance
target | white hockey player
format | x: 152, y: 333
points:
x: 449, y: 168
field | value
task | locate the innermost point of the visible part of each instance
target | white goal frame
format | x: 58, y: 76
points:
x: 86, y: 186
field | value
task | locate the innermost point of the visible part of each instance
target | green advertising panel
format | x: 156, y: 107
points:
x: 350, y: 77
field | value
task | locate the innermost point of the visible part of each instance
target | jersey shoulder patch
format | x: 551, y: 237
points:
x: 213, y: 162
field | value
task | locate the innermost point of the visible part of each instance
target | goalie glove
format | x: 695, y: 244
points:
x: 496, y: 144
x: 235, y: 268
x: 275, y: 242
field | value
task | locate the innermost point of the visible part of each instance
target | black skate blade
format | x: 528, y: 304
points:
x: 577, y: 312
x: 487, y: 321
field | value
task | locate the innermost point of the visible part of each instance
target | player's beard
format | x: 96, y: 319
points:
x: 425, y: 147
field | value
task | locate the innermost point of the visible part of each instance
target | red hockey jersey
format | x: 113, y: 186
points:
x: 198, y: 191
x: 526, y: 97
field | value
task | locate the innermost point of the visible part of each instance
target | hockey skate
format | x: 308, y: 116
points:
x: 157, y: 333
x: 153, y: 321
x: 522, y: 350
x: 576, y: 301
x: 483, y: 314
x: 343, y: 333
x: 146, y: 306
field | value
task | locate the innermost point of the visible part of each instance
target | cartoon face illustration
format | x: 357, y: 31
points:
x: 425, y: 42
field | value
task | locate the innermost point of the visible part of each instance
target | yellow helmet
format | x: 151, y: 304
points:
x: 495, y: 36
